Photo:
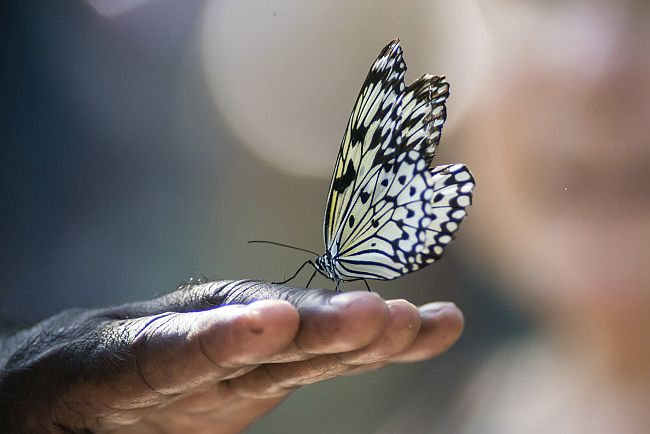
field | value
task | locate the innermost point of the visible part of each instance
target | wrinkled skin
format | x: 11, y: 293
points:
x: 211, y: 357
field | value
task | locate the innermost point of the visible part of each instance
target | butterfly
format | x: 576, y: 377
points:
x: 388, y: 212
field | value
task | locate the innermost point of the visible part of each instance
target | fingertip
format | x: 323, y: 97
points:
x: 402, y: 326
x: 405, y: 314
x: 344, y: 299
x: 441, y: 326
x: 247, y: 335
x: 276, y: 315
x: 446, y: 317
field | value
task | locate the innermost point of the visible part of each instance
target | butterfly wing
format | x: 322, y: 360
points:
x: 368, y: 135
x: 395, y: 214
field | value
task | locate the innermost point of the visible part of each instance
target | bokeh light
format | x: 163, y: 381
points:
x: 284, y: 75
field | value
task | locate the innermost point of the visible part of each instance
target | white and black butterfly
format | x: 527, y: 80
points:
x: 388, y: 212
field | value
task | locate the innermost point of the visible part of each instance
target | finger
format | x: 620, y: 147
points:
x: 441, y: 326
x: 176, y: 352
x: 401, y: 329
x: 346, y: 322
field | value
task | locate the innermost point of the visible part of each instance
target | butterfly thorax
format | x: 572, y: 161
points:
x: 325, y: 265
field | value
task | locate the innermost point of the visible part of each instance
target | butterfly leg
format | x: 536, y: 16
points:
x: 296, y: 273
x: 311, y: 278
x: 367, y: 286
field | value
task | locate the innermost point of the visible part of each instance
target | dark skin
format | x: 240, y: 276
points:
x: 210, y: 358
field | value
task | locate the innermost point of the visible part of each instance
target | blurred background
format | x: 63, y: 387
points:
x: 145, y: 141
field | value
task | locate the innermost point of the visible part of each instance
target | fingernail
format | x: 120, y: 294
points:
x: 264, y: 303
x: 397, y: 301
x: 343, y: 301
x: 258, y: 306
x: 436, y: 307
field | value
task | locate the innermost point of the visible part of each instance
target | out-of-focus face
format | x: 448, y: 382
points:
x: 560, y: 144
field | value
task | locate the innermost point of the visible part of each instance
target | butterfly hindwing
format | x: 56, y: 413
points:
x: 379, y: 231
x: 408, y: 224
x: 452, y: 188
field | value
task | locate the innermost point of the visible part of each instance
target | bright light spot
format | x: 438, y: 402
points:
x: 284, y: 75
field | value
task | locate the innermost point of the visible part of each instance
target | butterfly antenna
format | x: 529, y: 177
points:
x: 281, y: 245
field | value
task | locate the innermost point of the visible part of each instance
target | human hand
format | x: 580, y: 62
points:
x: 211, y: 358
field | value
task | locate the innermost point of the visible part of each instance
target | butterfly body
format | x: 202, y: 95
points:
x: 325, y: 265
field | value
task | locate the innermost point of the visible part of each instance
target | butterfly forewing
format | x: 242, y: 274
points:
x: 369, y: 133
